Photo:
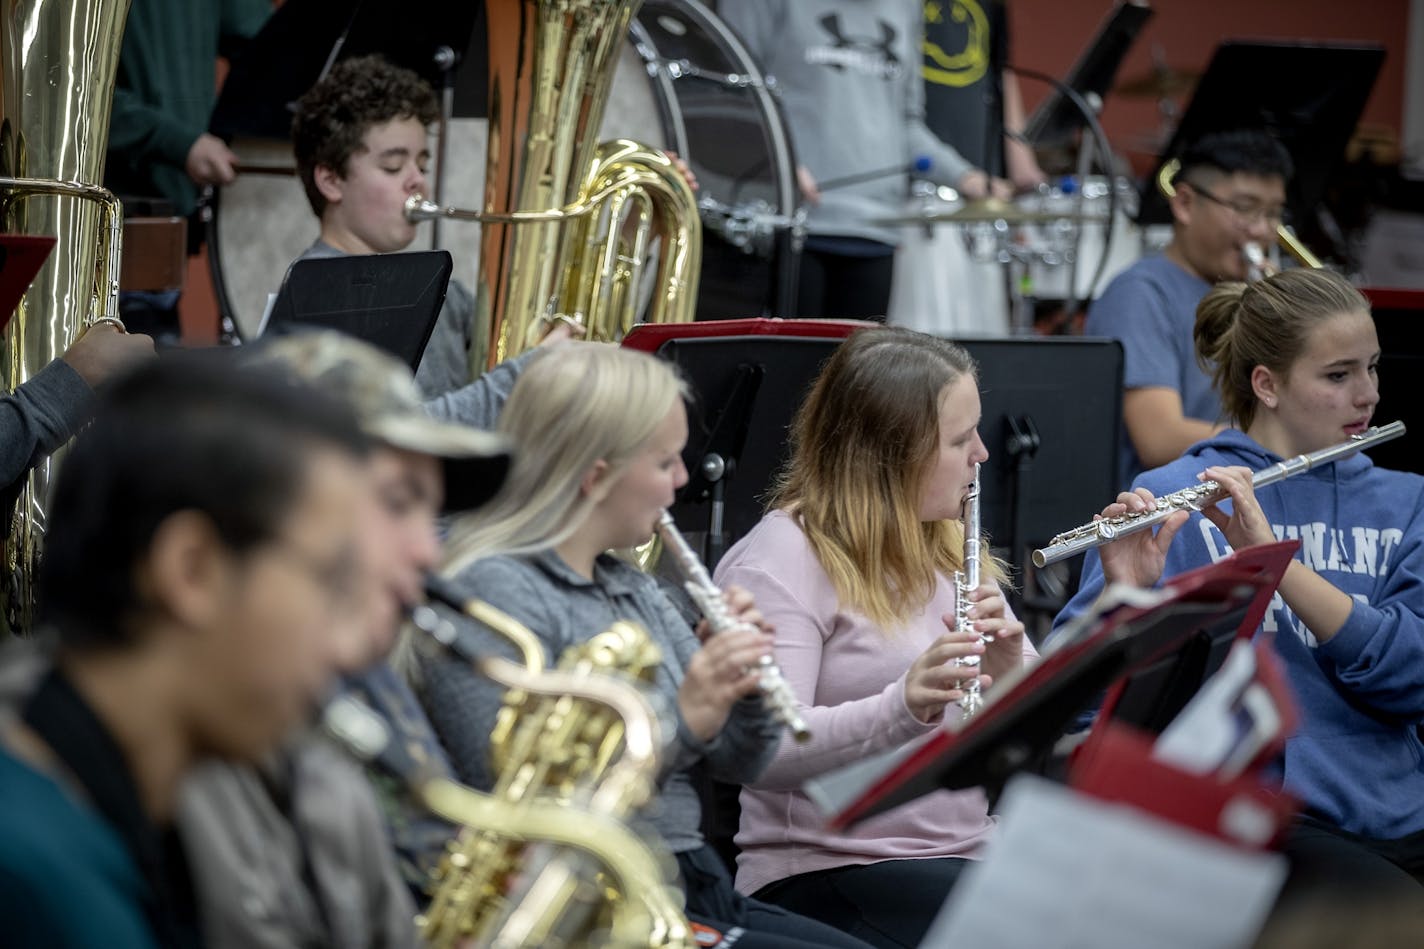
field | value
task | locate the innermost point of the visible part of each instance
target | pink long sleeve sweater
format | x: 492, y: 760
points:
x: 849, y: 678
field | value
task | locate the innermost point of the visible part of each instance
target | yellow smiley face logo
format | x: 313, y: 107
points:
x: 968, y: 65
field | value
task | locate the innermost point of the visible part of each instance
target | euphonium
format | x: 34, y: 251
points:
x: 966, y: 581
x: 577, y: 744
x: 57, y: 64
x: 567, y: 222
x: 365, y: 735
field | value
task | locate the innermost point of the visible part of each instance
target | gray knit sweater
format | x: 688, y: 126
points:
x: 564, y: 608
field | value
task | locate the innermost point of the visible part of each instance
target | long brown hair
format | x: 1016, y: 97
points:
x: 1268, y: 323
x: 861, y: 446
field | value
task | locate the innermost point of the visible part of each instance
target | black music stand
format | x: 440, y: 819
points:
x: 1399, y: 322
x: 389, y: 300
x: 1219, y: 602
x: 746, y: 390
x: 1309, y: 96
x: 1055, y: 403
x: 1056, y: 121
x: 305, y: 36
x: 1055, y: 406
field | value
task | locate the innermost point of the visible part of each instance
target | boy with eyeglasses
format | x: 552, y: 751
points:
x: 301, y: 850
x: 196, y: 567
x: 1230, y: 192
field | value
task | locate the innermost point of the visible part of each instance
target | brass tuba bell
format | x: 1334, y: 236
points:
x: 568, y: 222
x: 59, y: 59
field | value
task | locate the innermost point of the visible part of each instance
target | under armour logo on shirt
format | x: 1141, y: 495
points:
x: 871, y: 55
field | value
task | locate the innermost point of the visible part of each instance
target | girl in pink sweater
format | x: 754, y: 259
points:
x: 853, y: 567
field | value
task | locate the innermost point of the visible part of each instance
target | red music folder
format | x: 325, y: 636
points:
x: 649, y: 336
x: 1121, y: 763
x: 1126, y: 632
x: 21, y: 256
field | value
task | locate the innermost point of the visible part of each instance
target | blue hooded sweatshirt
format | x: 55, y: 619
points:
x: 1357, y: 760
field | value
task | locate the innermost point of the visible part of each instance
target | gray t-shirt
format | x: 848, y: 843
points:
x: 1152, y: 308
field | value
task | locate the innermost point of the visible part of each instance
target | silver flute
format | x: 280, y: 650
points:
x: 709, y: 599
x: 966, y: 580
x: 1194, y: 498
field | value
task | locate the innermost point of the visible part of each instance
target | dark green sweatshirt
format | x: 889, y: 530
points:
x: 165, y: 90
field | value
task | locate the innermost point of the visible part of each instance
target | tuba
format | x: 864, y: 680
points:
x: 576, y: 751
x: 568, y: 223
x: 58, y: 60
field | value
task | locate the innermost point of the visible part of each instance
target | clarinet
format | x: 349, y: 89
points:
x: 775, y: 692
x: 966, y: 580
x: 1194, y: 498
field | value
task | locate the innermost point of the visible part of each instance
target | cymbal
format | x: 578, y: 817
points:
x: 1161, y: 83
x: 983, y: 211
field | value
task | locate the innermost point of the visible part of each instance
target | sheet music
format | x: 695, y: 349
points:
x: 1064, y: 863
x: 1227, y: 723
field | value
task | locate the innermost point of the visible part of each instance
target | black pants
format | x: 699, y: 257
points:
x: 716, y: 908
x: 1326, y: 859
x: 890, y: 904
x: 844, y: 287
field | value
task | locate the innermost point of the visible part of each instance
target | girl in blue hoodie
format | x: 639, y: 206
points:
x: 1295, y: 360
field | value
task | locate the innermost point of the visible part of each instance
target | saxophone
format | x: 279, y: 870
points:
x: 966, y: 580
x: 576, y: 751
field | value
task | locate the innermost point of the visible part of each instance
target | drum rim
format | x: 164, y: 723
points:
x: 773, y: 119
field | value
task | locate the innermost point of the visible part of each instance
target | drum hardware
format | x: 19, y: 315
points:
x: 986, y: 211
x: 750, y: 226
x: 682, y: 69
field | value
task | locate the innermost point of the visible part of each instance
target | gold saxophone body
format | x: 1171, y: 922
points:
x: 58, y: 59
x: 547, y: 861
x: 567, y: 223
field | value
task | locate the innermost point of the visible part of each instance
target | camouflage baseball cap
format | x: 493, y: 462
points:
x: 389, y: 407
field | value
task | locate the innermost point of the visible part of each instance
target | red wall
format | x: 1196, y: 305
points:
x: 1048, y: 35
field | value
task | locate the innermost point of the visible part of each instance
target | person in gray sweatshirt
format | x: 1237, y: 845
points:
x: 849, y: 76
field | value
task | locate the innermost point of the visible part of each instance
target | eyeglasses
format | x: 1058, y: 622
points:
x: 338, y: 577
x: 1246, y: 212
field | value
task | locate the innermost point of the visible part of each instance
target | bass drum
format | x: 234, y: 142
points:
x: 738, y: 145
x: 684, y: 83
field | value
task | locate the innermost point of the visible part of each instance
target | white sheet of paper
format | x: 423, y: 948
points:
x: 1070, y: 871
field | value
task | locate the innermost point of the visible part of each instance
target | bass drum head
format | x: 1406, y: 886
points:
x: 257, y: 225
x: 740, y: 150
